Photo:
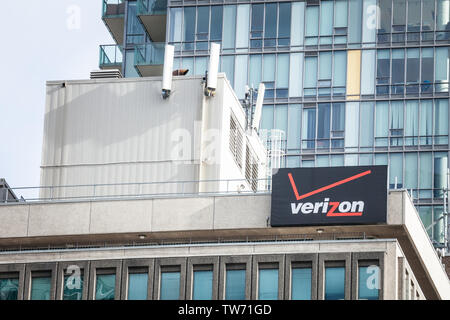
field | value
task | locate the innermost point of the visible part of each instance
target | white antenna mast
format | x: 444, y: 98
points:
x: 258, y: 107
x: 213, y: 70
x: 167, y: 71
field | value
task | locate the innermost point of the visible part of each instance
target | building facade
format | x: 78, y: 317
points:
x: 350, y: 82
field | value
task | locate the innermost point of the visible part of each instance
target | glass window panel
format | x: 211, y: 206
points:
x: 240, y: 76
x: 135, y: 30
x: 137, y: 286
x: 355, y: 23
x: 322, y: 161
x: 351, y: 124
x: 426, y: 121
x: 203, y: 283
x: 267, y: 117
x: 367, y: 118
x: 293, y: 162
x: 269, y: 68
x: 293, y: 138
x: 351, y: 160
x: 381, y: 159
x: 255, y: 70
x: 340, y: 14
x: 130, y: 70
x: 369, y: 21
x: 283, y: 71
x: 399, y: 14
x: 189, y: 24
x: 383, y: 67
x: 258, y: 22
x: 284, y: 20
x: 73, y: 287
x: 229, y: 32
x: 338, y: 118
x: 325, y: 65
x: 216, y: 23
x: 412, y: 122
x: 425, y: 176
x: 170, y: 286
x: 426, y: 215
x: 340, y: 68
x: 443, y: 15
x: 441, y: 118
x: 411, y: 168
x: 323, y: 125
x: 396, y: 170
x: 337, y: 160
x: 297, y: 23
x: 326, y: 18
x: 368, y: 288
x: 301, y: 279
x: 9, y: 289
x: 235, y: 285
x: 427, y: 67
x: 365, y: 160
x: 176, y: 16
x: 243, y: 16
x: 202, y: 23
x: 428, y: 15
x: 440, y: 173
x: 310, y: 72
x: 296, y: 75
x: 200, y: 65
x: 414, y: 11
x: 368, y: 72
x: 381, y: 123
x: 281, y: 117
x: 40, y: 288
x: 312, y: 21
x: 398, y: 67
x: 412, y: 73
x: 270, y: 20
x: 396, y: 115
x: 439, y: 227
x: 228, y: 68
x: 335, y: 283
x: 268, y: 284
x: 442, y: 67
x: 309, y: 128
x: 385, y: 7
x: 105, y: 287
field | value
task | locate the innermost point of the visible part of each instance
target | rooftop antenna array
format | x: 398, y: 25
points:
x: 254, y: 111
x: 213, y: 70
x: 167, y: 71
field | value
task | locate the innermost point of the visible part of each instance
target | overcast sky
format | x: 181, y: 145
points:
x: 41, y: 40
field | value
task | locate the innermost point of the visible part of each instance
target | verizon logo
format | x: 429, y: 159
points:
x: 330, y: 208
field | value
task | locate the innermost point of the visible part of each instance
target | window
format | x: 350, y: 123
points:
x: 9, y: 287
x: 270, y: 32
x: 334, y: 283
x: 297, y: 23
x: 229, y: 32
x: 301, y: 279
x: 176, y: 16
x: 135, y: 30
x: 242, y: 26
x: 426, y: 122
x: 309, y: 128
x: 442, y: 69
x: 427, y: 70
x: 203, y: 284
x: 189, y: 28
x: 105, y: 286
x: 216, y: 23
x: 312, y: 25
x: 235, y: 283
x: 383, y: 72
x: 441, y: 121
x: 426, y: 215
x: 170, y: 285
x: 381, y: 123
x: 326, y: 21
x: 284, y: 24
x: 398, y: 71
x: 396, y: 171
x: 40, y: 286
x: 396, y: 123
x: 368, y: 286
x: 355, y: 23
x: 425, y: 162
x: 202, y: 33
x: 73, y: 286
x: 268, y: 284
x: 440, y: 173
x: 412, y: 122
x: 385, y: 7
x: 411, y: 171
x: 137, y: 286
x: 367, y: 118
x: 413, y: 70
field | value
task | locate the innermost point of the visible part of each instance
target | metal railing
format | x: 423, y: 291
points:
x: 138, y: 190
x: 110, y: 56
x: 149, y: 54
x: 152, y: 7
x: 113, y: 8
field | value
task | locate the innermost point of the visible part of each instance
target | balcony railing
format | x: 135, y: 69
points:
x: 152, y: 7
x: 149, y: 54
x: 110, y: 56
x: 113, y: 8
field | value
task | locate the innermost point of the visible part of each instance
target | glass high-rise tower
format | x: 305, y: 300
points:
x: 350, y: 82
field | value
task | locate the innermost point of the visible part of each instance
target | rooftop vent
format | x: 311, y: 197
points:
x: 106, y: 74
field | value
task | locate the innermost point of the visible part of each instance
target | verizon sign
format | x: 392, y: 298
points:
x: 329, y: 196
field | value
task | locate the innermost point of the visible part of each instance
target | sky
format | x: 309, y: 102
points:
x: 41, y: 41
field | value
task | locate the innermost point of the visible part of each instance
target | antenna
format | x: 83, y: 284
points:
x: 258, y: 107
x: 213, y: 70
x: 167, y: 71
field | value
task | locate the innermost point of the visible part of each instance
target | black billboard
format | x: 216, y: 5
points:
x: 329, y: 196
